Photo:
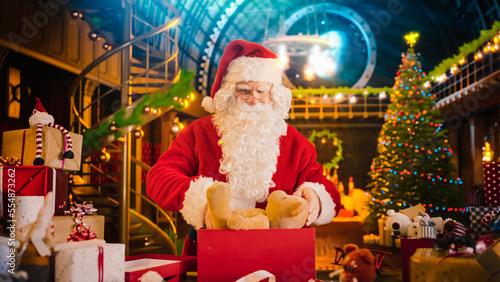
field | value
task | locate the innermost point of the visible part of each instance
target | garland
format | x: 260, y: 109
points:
x: 173, y: 97
x: 302, y: 92
x: 465, y: 50
x: 333, y: 163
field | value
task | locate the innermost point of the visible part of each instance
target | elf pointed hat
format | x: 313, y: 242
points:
x: 39, y: 106
x: 244, y: 61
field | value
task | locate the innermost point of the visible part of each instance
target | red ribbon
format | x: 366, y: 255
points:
x: 100, y: 263
x: 64, y: 151
x: 22, y: 148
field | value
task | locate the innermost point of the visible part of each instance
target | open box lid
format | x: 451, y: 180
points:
x: 165, y: 265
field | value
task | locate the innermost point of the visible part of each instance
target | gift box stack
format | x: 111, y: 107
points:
x: 484, y: 201
x: 33, y: 173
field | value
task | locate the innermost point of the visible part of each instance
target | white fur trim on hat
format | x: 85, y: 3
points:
x: 327, y: 212
x: 195, y: 202
x: 254, y: 69
x: 208, y: 104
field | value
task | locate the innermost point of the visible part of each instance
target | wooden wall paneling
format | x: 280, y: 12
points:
x: 35, y: 22
x: 56, y: 32
x: 74, y: 39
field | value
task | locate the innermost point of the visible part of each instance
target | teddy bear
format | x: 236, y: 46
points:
x: 359, y: 265
x: 282, y: 211
x: 413, y: 229
x: 286, y: 211
x: 397, y: 223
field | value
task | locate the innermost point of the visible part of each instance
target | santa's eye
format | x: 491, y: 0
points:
x: 351, y: 270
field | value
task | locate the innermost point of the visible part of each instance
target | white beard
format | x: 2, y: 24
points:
x: 250, y: 149
x: 40, y: 117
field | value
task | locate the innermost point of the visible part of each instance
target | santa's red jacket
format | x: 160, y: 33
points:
x: 181, y: 176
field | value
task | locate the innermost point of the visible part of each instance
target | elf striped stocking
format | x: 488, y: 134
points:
x: 38, y: 155
x: 68, y: 154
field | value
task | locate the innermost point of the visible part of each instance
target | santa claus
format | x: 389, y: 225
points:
x: 245, y: 143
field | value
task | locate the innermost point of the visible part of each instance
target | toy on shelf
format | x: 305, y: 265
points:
x: 358, y: 264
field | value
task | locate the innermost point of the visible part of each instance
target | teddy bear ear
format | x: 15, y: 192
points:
x: 390, y: 212
x: 350, y: 247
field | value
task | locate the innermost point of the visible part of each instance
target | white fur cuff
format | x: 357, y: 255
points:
x: 195, y: 202
x: 327, y: 205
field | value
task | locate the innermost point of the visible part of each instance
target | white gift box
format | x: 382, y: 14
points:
x: 92, y: 260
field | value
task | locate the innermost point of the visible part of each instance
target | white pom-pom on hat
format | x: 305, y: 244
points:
x: 208, y: 104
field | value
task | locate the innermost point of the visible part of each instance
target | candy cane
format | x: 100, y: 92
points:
x: 489, y: 216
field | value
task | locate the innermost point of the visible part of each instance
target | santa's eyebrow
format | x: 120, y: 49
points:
x: 243, y: 87
x: 264, y: 88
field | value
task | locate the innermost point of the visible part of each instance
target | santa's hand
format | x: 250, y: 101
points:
x: 208, y: 219
x: 314, y: 203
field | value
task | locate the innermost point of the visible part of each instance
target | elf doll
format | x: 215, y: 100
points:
x: 37, y: 120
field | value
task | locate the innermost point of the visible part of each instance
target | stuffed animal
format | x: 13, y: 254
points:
x: 359, y: 264
x: 38, y: 119
x: 413, y: 228
x: 282, y: 211
x: 218, y: 198
x: 286, y: 211
x: 397, y: 223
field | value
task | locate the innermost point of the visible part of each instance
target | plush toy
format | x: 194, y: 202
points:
x: 38, y: 119
x: 359, y: 264
x: 218, y: 198
x: 282, y: 211
x: 413, y: 228
x: 286, y: 211
x: 397, y: 223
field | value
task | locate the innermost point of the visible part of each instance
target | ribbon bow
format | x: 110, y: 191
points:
x: 476, y: 189
x: 82, y: 233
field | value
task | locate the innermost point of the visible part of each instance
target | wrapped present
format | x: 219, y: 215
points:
x: 428, y: 264
x: 408, y: 248
x: 490, y: 260
x: 24, y: 188
x: 174, y: 267
x: 476, y: 215
x: 22, y: 144
x: 92, y: 260
x: 491, y: 172
x: 227, y: 255
x: 426, y: 229
x: 475, y: 196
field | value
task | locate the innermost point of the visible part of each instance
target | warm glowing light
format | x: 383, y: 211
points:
x: 382, y: 95
x: 411, y: 38
x: 487, y: 152
x: 478, y: 56
x: 454, y: 69
x: 308, y: 73
x: 353, y: 99
x: 462, y: 61
x: 338, y: 96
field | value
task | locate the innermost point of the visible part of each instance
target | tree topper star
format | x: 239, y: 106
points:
x: 411, y: 38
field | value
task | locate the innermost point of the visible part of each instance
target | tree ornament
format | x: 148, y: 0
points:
x: 113, y: 127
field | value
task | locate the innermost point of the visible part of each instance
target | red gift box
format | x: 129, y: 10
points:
x: 168, y: 266
x: 228, y: 255
x: 491, y: 172
x: 32, y: 181
x: 408, y: 248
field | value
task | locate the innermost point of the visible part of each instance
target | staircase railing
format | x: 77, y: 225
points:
x: 156, y: 40
x: 169, y: 32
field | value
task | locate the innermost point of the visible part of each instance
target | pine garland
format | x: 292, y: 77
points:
x: 302, y: 92
x: 465, y: 50
x: 173, y: 97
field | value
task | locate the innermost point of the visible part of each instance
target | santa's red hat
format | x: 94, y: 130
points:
x: 245, y: 61
x: 39, y: 106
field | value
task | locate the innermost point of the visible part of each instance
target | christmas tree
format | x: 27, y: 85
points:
x: 413, y: 165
